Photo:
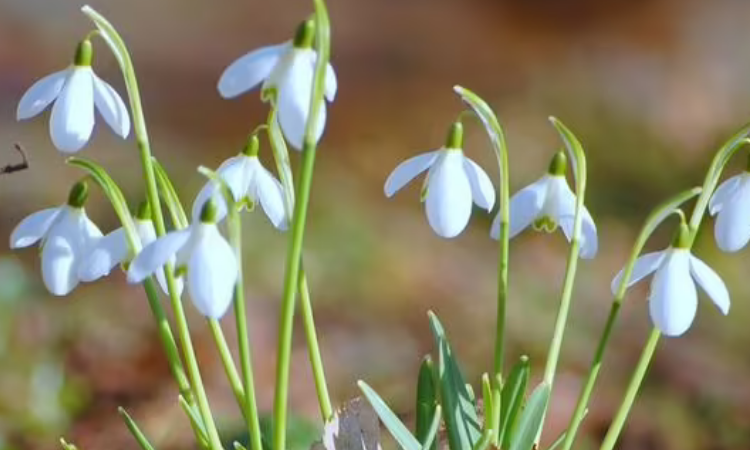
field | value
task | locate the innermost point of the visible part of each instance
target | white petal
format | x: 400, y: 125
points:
x: 212, y: 273
x: 732, y: 228
x: 41, y: 94
x: 111, y: 107
x: 673, y: 301
x: 58, y: 266
x: 525, y: 206
x: 249, y: 70
x: 33, y: 227
x: 73, y: 113
x: 63, y: 248
x: 448, y: 195
x: 295, y: 91
x: 644, y: 266
x: 331, y: 84
x: 104, y: 255
x: 236, y: 174
x: 710, y: 282
x: 724, y: 192
x: 482, y: 190
x: 156, y: 254
x: 270, y: 193
x: 147, y: 234
x: 564, y: 206
x: 407, y: 170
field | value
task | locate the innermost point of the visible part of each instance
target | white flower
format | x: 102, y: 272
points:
x: 113, y: 249
x: 203, y: 252
x: 75, y: 91
x: 673, y: 300
x: 452, y: 183
x: 731, y: 202
x: 289, y: 69
x: 547, y: 203
x: 66, y: 234
x: 246, y: 178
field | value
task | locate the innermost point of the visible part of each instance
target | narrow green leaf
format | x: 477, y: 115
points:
x: 577, y: 156
x: 281, y: 158
x: 397, y: 428
x: 485, y: 440
x: 110, y: 36
x: 426, y: 398
x: 135, y: 430
x: 429, y: 439
x: 459, y: 410
x: 195, y: 422
x: 512, y: 395
x: 487, y: 401
x: 560, y: 439
x: 531, y: 419
x: 169, y: 194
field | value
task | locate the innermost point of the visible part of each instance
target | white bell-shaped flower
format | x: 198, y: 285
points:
x: 203, y: 253
x: 249, y: 181
x: 547, y: 203
x: 113, y: 249
x: 673, y: 301
x: 453, y: 182
x: 65, y: 234
x: 731, y: 204
x: 289, y: 70
x: 75, y: 91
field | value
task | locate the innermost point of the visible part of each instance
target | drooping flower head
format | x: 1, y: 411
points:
x: 65, y: 234
x: 452, y: 183
x: 731, y: 204
x: 287, y: 71
x: 250, y: 183
x: 673, y: 300
x: 113, y: 249
x: 76, y: 91
x: 547, y: 203
x: 202, y: 254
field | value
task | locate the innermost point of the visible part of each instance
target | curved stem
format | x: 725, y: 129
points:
x: 635, y: 383
x: 228, y: 363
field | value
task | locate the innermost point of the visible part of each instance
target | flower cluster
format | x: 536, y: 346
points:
x: 73, y: 248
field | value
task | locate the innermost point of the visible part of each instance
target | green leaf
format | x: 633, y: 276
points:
x: 459, y: 411
x: 281, y: 158
x: 397, y: 428
x: 426, y: 398
x: 169, y: 194
x: 195, y: 422
x: 531, y: 419
x: 489, y: 406
x: 429, y: 439
x: 134, y: 430
x: 512, y: 396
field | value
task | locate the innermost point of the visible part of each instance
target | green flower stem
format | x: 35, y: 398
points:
x: 228, y: 362
x: 118, y: 47
x: 281, y: 157
x: 167, y: 340
x: 635, y: 383
x: 321, y: 388
x: 657, y: 216
x: 293, y: 263
x: 249, y: 404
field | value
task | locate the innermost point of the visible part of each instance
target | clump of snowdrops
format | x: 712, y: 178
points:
x: 195, y: 260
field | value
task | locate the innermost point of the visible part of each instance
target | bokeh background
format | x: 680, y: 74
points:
x: 651, y: 87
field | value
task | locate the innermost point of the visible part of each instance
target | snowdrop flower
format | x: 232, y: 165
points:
x: 65, y: 234
x: 288, y: 69
x: 250, y: 181
x: 452, y: 183
x: 673, y: 300
x: 731, y: 204
x: 113, y: 249
x: 202, y: 252
x: 547, y: 203
x: 75, y: 91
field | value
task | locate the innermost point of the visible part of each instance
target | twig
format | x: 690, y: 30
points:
x: 23, y: 165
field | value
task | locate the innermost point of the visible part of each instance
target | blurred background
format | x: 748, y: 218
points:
x: 651, y: 87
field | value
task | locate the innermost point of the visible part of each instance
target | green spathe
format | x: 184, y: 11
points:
x: 84, y: 54
x: 79, y: 193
